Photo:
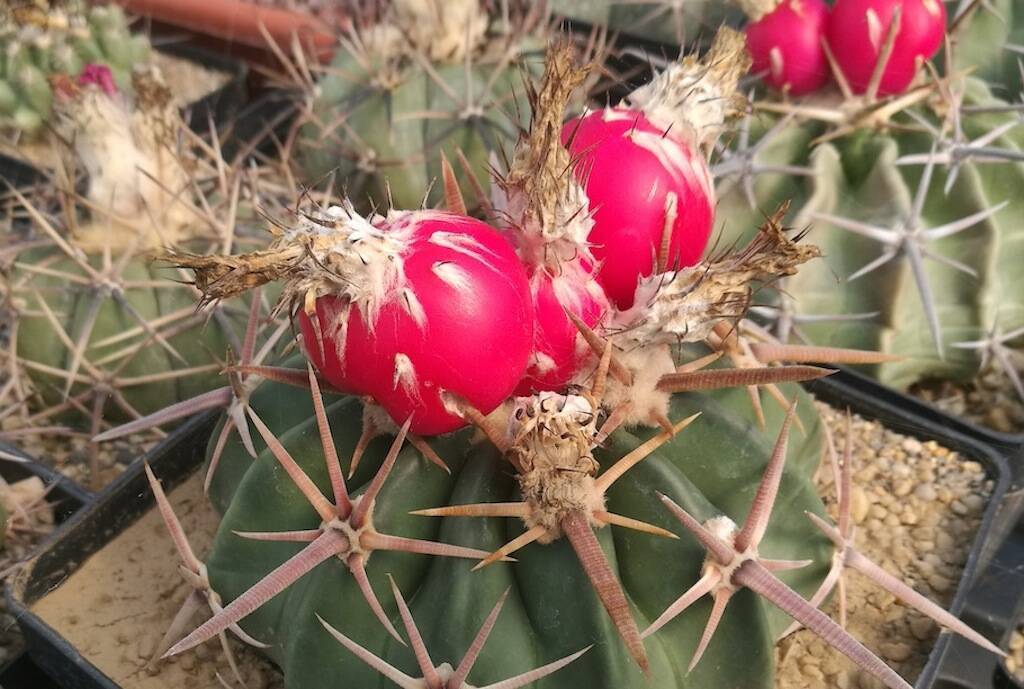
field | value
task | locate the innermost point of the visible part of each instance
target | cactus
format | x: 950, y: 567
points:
x: 424, y: 79
x: 99, y: 335
x: 912, y: 199
x: 671, y: 22
x: 327, y: 534
x: 39, y: 44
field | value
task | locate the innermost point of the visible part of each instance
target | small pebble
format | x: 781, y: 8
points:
x: 896, y: 651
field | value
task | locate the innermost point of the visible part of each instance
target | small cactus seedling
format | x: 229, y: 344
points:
x: 296, y: 565
x: 39, y: 44
x: 410, y: 81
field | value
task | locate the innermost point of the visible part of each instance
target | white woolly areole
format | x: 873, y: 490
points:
x: 552, y: 437
x: 696, y: 97
x: 756, y: 9
x: 364, y: 263
x: 668, y: 309
x: 446, y: 30
x: 726, y: 530
x: 647, y: 403
x: 133, y: 169
x: 722, y: 527
x: 559, y: 237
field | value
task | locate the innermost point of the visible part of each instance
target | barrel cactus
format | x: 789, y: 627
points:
x: 40, y: 43
x: 913, y: 200
x: 419, y: 79
x: 334, y: 537
x: 98, y: 334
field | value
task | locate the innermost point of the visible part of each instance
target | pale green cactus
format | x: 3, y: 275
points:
x: 413, y: 85
x: 917, y: 213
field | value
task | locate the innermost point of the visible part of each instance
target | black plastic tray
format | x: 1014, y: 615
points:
x: 112, y: 510
x: 991, y: 590
x: 221, y: 105
x: 181, y: 453
x: 1009, y: 444
x: 66, y: 496
x: 23, y: 673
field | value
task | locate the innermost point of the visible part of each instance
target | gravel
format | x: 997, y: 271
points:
x: 990, y: 400
x: 917, y: 507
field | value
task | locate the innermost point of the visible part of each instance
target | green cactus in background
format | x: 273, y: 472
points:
x: 97, y: 334
x: 672, y: 22
x: 914, y: 200
x: 37, y: 44
x: 413, y: 85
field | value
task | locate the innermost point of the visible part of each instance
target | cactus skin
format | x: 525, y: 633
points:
x: 664, y: 21
x: 857, y: 177
x: 398, y: 117
x: 200, y: 344
x: 713, y: 467
x: 31, y: 54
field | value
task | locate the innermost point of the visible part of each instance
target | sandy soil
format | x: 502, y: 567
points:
x: 118, y: 604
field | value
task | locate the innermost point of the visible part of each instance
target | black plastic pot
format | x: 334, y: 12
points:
x: 990, y: 597
x: 66, y: 496
x: 23, y: 673
x: 221, y: 105
x: 115, y: 508
x: 181, y: 454
x: 1008, y: 444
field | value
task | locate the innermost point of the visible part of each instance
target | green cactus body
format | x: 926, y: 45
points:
x: 34, y: 53
x: 990, y: 45
x: 858, y: 177
x: 43, y: 343
x: 663, y: 21
x: 711, y: 468
x: 381, y: 123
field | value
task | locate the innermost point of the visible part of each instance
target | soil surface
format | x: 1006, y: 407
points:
x: 72, y: 456
x: 118, y: 605
x: 1015, y: 660
x: 990, y: 401
x: 30, y: 520
x: 917, y: 507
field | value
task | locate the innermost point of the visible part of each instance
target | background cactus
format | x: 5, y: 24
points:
x: 39, y: 43
x: 98, y: 334
x: 672, y: 22
x: 410, y: 84
x: 914, y: 202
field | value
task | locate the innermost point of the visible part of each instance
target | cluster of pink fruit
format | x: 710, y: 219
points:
x: 508, y: 301
x: 790, y: 41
